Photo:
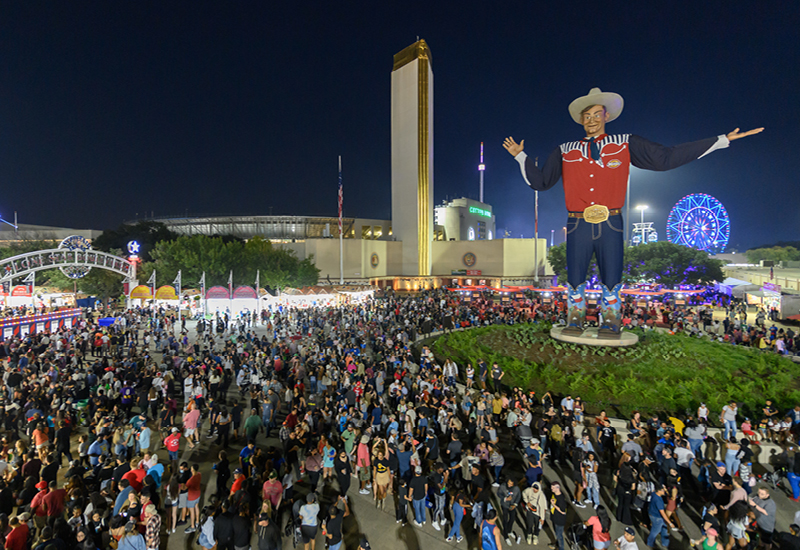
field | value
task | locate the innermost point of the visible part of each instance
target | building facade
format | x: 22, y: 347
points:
x: 464, y: 220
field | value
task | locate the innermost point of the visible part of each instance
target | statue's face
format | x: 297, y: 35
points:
x: 594, y: 120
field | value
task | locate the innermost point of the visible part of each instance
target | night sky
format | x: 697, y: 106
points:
x: 113, y: 109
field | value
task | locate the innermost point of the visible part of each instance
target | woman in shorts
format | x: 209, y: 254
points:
x: 328, y: 455
x: 737, y: 525
x: 171, y: 503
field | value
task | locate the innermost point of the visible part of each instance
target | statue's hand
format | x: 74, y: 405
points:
x: 738, y: 135
x: 513, y: 147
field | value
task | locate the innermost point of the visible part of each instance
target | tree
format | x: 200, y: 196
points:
x: 102, y: 283
x: 217, y: 257
x: 147, y: 233
x: 557, y: 256
x: 775, y: 254
x: 670, y: 264
x: 663, y: 262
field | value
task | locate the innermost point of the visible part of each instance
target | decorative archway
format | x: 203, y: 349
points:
x: 73, y: 258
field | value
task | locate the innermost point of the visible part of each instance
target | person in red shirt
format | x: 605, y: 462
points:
x: 54, y: 502
x: 238, y: 481
x: 273, y: 490
x: 193, y: 498
x: 172, y: 442
x: 135, y: 476
x: 38, y: 507
x: 17, y: 539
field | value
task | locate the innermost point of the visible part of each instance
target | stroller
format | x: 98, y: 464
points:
x: 292, y: 530
x: 575, y: 537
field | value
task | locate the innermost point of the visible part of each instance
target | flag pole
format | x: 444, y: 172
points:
x: 258, y: 298
x: 203, y: 290
x: 536, y: 232
x: 341, y: 237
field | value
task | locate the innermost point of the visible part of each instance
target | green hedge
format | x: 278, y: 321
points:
x: 663, y: 373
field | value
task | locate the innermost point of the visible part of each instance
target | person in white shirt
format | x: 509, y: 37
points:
x: 626, y: 541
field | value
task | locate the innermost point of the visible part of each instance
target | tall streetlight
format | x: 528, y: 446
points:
x: 565, y: 233
x: 641, y: 208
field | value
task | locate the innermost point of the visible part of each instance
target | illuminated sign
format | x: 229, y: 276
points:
x: 480, y: 211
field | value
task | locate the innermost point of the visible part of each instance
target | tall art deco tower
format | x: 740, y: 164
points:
x: 412, y: 156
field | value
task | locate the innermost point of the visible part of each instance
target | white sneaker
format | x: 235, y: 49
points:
x: 459, y: 539
x: 508, y: 541
x: 535, y: 540
x: 436, y: 526
x: 495, y: 484
x: 449, y: 539
x: 418, y: 524
x: 579, y: 504
x: 587, y: 501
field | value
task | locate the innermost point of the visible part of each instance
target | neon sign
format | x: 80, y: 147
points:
x: 480, y: 211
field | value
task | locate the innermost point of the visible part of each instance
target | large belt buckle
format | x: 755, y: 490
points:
x: 597, y: 213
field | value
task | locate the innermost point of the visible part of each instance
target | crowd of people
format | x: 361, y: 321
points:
x: 297, y: 408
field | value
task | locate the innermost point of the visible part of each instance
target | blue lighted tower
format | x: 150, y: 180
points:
x: 481, y: 169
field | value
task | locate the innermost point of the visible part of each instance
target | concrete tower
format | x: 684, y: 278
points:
x: 412, y: 156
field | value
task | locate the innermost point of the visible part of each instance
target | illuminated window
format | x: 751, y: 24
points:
x: 366, y: 232
x: 377, y: 232
x: 490, y: 235
x: 471, y: 234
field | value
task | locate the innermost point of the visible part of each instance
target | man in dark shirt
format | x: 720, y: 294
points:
x: 558, y: 514
x: 431, y: 448
x: 721, y: 484
x: 31, y: 467
x: 62, y: 442
x: 269, y: 536
x: 333, y: 525
x: 50, y: 471
x: 241, y: 531
x: 123, y: 467
x: 791, y: 540
x: 223, y: 528
x: 418, y: 490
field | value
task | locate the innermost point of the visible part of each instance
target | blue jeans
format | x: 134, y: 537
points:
x: 593, y: 494
x: 336, y: 546
x: 731, y: 462
x: 458, y: 515
x: 696, y: 445
x: 659, y: 527
x: 419, y: 510
x: 559, y: 531
x: 730, y: 428
x: 605, y: 240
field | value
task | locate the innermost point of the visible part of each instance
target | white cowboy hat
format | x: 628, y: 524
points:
x: 611, y: 101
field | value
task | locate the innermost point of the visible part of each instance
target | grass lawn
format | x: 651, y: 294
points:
x: 663, y: 373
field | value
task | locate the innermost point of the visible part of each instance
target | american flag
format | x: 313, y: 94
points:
x: 340, y: 195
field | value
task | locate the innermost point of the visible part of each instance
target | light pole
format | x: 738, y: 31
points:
x: 641, y: 208
x: 552, y: 232
x: 565, y: 233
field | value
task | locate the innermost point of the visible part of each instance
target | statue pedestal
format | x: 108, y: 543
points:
x: 589, y: 338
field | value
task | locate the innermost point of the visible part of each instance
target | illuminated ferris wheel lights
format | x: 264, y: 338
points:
x: 699, y: 221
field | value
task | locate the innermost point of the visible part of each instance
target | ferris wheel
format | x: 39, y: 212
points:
x: 699, y: 221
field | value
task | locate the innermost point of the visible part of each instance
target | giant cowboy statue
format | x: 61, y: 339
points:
x: 595, y: 173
